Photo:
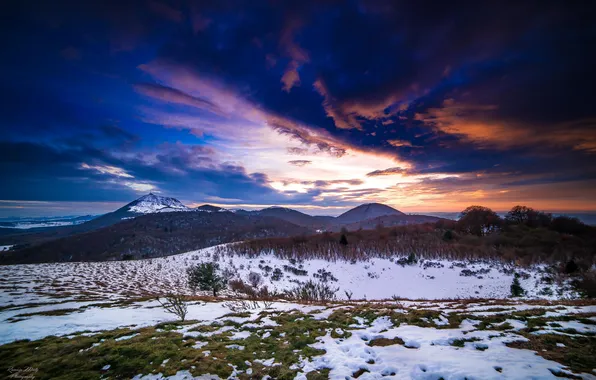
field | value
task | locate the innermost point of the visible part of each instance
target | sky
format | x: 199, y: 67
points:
x: 315, y: 105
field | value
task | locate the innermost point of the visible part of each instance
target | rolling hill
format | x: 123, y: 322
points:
x: 366, y: 211
x: 154, y: 235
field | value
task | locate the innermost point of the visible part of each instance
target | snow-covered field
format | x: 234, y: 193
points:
x: 403, y: 340
x: 373, y: 279
x: 454, y: 334
x: 440, y: 332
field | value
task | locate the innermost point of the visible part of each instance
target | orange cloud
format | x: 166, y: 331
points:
x: 291, y: 49
x: 184, y: 86
x: 289, y: 46
x: 291, y: 77
x: 400, y: 143
x: 478, y: 124
x: 341, y: 120
x: 347, y: 114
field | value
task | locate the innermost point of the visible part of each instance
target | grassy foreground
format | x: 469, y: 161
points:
x: 253, y: 344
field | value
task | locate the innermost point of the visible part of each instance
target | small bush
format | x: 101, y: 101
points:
x: 277, y: 275
x: 324, y: 276
x: 295, y: 271
x: 547, y: 291
x: 448, y: 235
x: 254, y: 279
x: 205, y: 277
x: 516, y: 288
x: 237, y: 285
x: 410, y: 260
x: 343, y: 240
x: 587, y: 283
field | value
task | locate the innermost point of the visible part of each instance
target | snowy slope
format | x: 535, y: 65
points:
x: 375, y: 278
x: 152, y: 203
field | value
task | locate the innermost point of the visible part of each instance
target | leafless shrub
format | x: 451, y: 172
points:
x: 312, y: 291
x: 174, y: 304
x: 237, y: 285
x: 349, y: 294
x: 421, y: 241
x: 242, y: 305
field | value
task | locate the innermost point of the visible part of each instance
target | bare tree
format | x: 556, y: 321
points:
x: 479, y: 220
x: 175, y: 304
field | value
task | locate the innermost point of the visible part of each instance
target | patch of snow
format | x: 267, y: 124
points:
x: 126, y: 337
x: 567, y: 328
x: 240, y: 335
x: 180, y: 375
x: 267, y: 362
x: 430, y: 360
x: 138, y: 314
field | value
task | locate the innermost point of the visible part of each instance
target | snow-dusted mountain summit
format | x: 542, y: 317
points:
x: 152, y: 203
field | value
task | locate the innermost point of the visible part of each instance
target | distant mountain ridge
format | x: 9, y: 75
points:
x: 365, y: 216
x: 293, y: 216
x: 367, y: 211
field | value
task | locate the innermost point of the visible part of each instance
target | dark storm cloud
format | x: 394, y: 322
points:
x: 45, y: 173
x: 430, y: 55
x: 498, y: 93
x: 63, y: 171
